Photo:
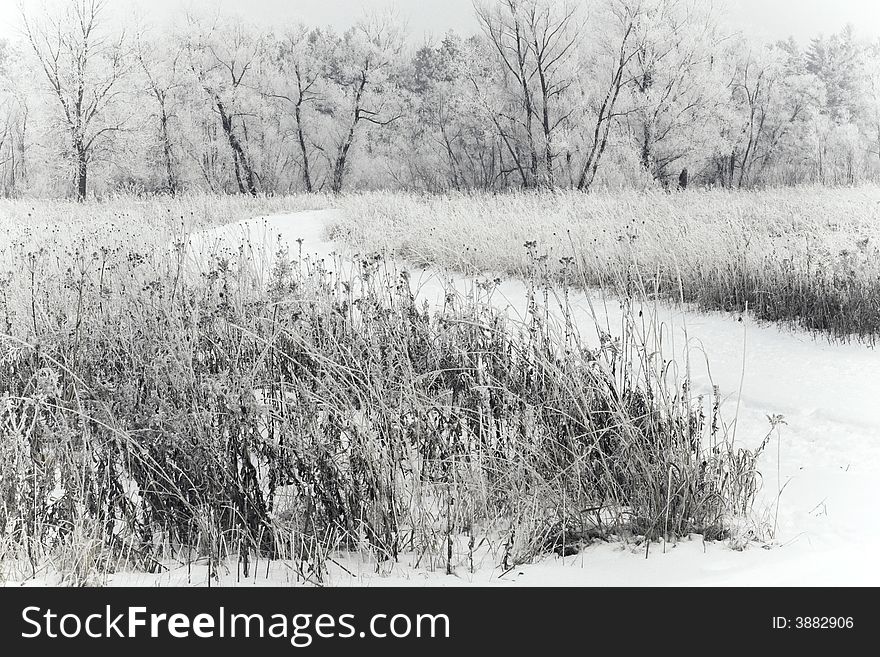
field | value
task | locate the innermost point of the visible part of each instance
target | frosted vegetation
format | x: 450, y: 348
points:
x: 174, y: 396
x: 806, y: 257
x: 607, y: 94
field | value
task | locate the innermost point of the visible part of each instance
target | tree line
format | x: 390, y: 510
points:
x: 548, y: 94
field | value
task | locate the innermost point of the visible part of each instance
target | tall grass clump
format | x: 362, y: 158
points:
x: 806, y: 257
x: 154, y: 412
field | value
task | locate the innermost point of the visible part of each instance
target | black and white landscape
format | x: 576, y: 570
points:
x: 536, y: 292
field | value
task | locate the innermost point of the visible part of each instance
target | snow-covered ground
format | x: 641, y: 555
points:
x: 826, y: 458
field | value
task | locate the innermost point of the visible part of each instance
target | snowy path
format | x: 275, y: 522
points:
x: 829, y: 455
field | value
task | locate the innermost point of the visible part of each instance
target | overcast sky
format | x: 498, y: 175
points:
x: 766, y: 19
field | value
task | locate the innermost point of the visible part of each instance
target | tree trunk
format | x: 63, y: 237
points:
x: 167, y: 155
x: 339, y: 168
x: 169, y: 165
x: 450, y: 154
x: 603, y: 128
x: 527, y: 107
x: 342, y: 157
x: 878, y: 140
x: 591, y: 164
x: 603, y: 121
x: 533, y: 151
x: 81, y: 172
x: 307, y: 176
x: 545, y: 125
x: 239, y: 159
x: 646, y: 148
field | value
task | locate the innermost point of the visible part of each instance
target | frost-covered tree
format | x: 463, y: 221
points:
x: 225, y: 59
x: 301, y: 60
x: 548, y: 94
x: 771, y: 102
x: 162, y: 80
x: 835, y: 62
x: 617, y: 44
x: 360, y: 74
x: 13, y: 122
x: 85, y: 66
x: 870, y: 82
x: 536, y: 43
x: 677, y: 83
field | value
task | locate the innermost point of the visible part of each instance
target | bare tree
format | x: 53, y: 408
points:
x: 222, y: 59
x: 553, y: 31
x: 85, y: 69
x: 770, y: 101
x: 446, y: 123
x: 673, y: 80
x: 361, y: 67
x: 14, y: 114
x: 504, y: 26
x: 871, y: 66
x: 622, y: 44
x: 162, y: 80
x: 536, y: 42
x: 13, y: 144
x: 485, y: 97
x: 301, y: 59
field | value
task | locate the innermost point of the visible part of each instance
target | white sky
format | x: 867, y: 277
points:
x: 765, y: 19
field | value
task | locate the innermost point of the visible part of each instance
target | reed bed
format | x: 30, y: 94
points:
x: 805, y: 257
